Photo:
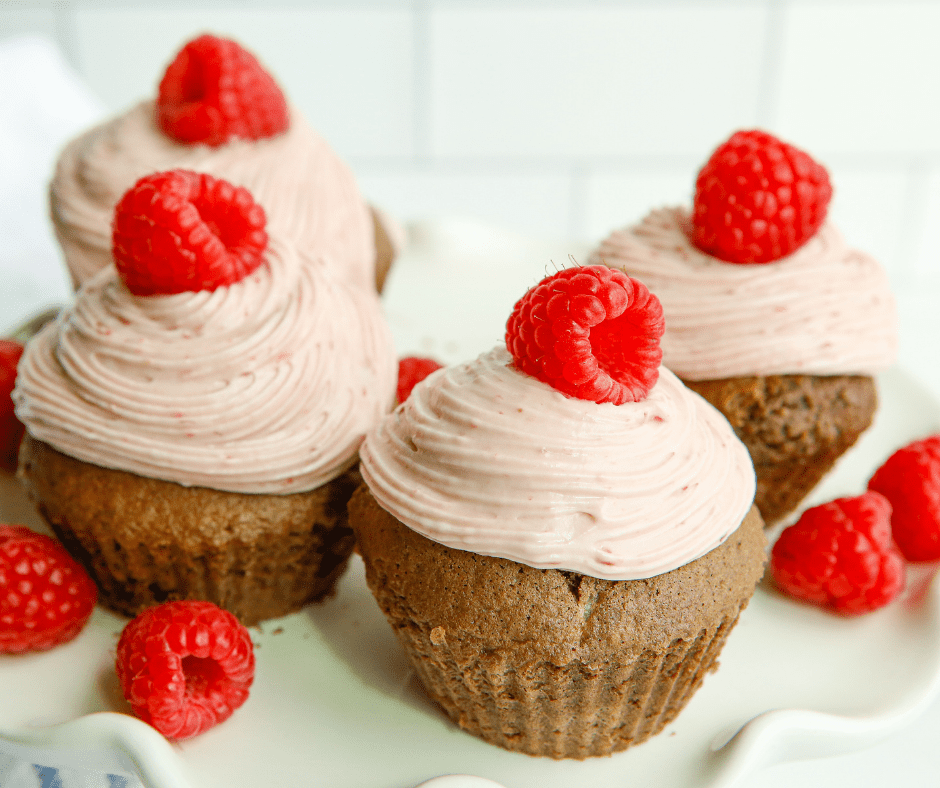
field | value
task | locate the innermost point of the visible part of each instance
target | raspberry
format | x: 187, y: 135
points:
x: 214, y: 90
x: 910, y: 479
x: 46, y: 597
x: 758, y: 199
x: 411, y: 371
x: 183, y: 231
x: 840, y: 556
x: 185, y: 666
x: 11, y: 430
x: 592, y: 333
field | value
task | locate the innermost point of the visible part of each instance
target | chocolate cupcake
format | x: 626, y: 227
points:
x: 562, y: 561
x: 784, y: 332
x: 192, y: 432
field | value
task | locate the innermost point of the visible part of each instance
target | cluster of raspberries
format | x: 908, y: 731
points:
x: 849, y: 555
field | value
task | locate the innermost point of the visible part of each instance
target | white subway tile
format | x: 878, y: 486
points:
x: 26, y: 20
x: 861, y: 77
x: 593, y: 79
x: 349, y: 70
x: 870, y: 207
x: 925, y: 267
x: 524, y: 202
x: 623, y: 197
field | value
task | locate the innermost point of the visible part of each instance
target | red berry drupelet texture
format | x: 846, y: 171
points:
x: 185, y: 666
x: 411, y: 371
x: 214, y: 91
x: 182, y: 231
x: 910, y: 479
x: 758, y: 199
x: 46, y: 597
x: 841, y: 556
x: 592, y: 333
x: 11, y: 430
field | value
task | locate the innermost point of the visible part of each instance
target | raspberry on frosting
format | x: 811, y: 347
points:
x: 591, y: 332
x: 214, y: 91
x: 758, y: 199
x: 182, y: 231
x: 841, y: 556
x: 910, y: 479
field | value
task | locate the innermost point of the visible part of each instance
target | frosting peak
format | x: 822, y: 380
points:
x: 826, y: 309
x: 484, y: 458
x: 307, y: 192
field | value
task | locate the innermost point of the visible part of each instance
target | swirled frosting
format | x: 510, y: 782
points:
x: 265, y: 386
x: 826, y: 309
x: 308, y: 193
x: 484, y: 458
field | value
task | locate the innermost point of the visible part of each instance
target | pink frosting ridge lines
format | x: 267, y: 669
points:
x: 307, y: 192
x: 484, y: 458
x: 267, y: 385
x: 826, y: 309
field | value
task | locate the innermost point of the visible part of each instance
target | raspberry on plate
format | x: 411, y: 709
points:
x: 910, y: 479
x: 214, y: 91
x: 46, y: 597
x: 11, y: 430
x: 185, y: 666
x: 758, y: 199
x: 840, y: 556
x: 411, y: 371
x: 591, y: 332
x: 182, y: 231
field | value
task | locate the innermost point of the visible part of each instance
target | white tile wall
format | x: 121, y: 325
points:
x: 571, y: 117
x: 582, y: 81
x: 860, y: 76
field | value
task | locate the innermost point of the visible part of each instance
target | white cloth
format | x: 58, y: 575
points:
x: 43, y: 103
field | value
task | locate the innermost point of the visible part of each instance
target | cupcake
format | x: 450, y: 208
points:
x: 559, y: 532
x: 248, y: 135
x: 193, y: 422
x: 771, y: 315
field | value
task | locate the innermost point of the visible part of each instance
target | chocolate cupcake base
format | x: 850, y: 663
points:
x: 147, y: 541
x: 794, y: 426
x: 548, y: 662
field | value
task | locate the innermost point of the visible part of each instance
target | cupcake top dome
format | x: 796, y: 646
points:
x: 612, y: 468
x: 249, y: 367
x: 755, y: 279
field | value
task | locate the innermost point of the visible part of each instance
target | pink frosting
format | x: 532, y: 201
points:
x: 308, y: 193
x: 826, y: 309
x: 484, y: 458
x: 265, y: 386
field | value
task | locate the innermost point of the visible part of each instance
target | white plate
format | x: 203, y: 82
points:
x: 334, y: 702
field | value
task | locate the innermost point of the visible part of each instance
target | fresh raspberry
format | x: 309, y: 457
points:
x: 185, y: 666
x: 214, y: 90
x: 11, y: 430
x: 411, y: 371
x: 910, y: 479
x: 46, y: 597
x: 181, y: 231
x: 758, y: 199
x: 592, y: 333
x: 841, y: 556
